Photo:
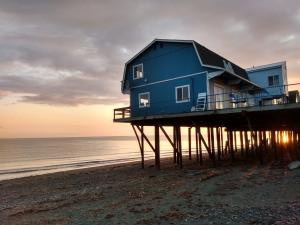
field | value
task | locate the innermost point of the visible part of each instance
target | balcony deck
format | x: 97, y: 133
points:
x: 260, y: 117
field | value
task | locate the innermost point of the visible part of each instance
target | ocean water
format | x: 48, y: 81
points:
x: 34, y: 156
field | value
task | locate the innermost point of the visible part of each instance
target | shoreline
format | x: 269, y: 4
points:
x: 52, y: 169
x: 126, y: 194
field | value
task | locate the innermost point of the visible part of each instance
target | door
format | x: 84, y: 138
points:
x: 219, y: 96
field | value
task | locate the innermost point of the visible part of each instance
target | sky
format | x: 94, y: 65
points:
x: 61, y: 61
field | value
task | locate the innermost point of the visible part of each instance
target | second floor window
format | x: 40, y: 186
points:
x: 273, y: 80
x: 183, y: 93
x: 138, y: 71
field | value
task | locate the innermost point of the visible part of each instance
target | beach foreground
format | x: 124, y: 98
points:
x: 125, y: 194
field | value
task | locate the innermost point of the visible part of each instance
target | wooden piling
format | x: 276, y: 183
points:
x: 197, y: 142
x: 175, y: 145
x: 273, y: 144
x: 222, y: 141
x: 179, y: 146
x: 157, y: 147
x: 246, y: 143
x: 142, y: 148
x: 190, y: 143
x: 213, y: 145
x: 260, y: 148
x: 241, y: 143
x: 235, y: 142
x: 218, y: 143
x: 199, y: 135
x: 230, y: 144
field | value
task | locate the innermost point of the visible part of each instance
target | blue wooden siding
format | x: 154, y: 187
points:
x: 175, y: 64
x: 260, y: 77
x: 173, y: 59
x: 163, y: 96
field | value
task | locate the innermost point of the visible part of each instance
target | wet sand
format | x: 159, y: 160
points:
x: 245, y: 193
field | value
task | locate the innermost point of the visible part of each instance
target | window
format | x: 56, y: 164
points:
x: 138, y: 71
x: 183, y: 94
x: 144, y: 100
x: 273, y: 80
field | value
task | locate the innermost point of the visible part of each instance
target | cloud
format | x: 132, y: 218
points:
x: 70, y: 52
x: 3, y: 94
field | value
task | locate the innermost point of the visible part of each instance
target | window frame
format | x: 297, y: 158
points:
x: 273, y: 80
x: 144, y: 106
x: 133, y: 71
x: 189, y: 94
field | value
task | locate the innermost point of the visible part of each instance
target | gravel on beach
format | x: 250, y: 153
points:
x: 245, y: 193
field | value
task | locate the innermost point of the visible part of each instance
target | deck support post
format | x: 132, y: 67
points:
x: 179, y: 146
x: 281, y: 142
x: 246, y: 143
x: 190, y: 143
x: 168, y: 137
x: 209, y: 141
x: 273, y: 144
x: 294, y: 140
x: 140, y: 142
x: 200, y: 146
x: 197, y: 143
x: 265, y: 141
x: 261, y: 148
x: 298, y: 140
x: 213, y: 146
x: 222, y: 143
x: 218, y: 143
x: 157, y: 147
x: 205, y: 144
x: 255, y: 143
x: 227, y: 145
x: 142, y: 148
x: 175, y: 145
x: 230, y: 145
x: 235, y: 142
x: 242, y: 143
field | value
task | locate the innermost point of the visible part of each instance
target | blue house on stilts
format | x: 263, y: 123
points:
x: 180, y: 83
x: 180, y: 76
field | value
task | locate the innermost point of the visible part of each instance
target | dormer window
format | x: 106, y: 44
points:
x: 138, y: 71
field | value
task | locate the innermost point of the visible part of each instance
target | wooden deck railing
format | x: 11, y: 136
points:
x: 122, y: 113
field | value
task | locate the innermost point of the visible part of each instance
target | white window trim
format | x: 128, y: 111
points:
x: 273, y: 79
x: 142, y: 106
x: 133, y: 67
x: 182, y: 86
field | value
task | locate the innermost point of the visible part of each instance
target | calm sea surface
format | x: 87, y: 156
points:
x: 33, y: 156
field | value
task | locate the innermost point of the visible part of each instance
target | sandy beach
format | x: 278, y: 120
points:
x: 245, y: 193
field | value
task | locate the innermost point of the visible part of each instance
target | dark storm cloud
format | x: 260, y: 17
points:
x: 74, y: 51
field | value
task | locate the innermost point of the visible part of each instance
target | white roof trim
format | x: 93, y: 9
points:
x: 215, y: 74
x: 283, y: 63
x: 218, y: 73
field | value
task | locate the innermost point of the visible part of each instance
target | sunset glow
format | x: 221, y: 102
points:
x: 60, y: 72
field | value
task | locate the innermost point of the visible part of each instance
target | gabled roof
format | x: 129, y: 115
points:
x: 206, y: 58
x: 211, y: 58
